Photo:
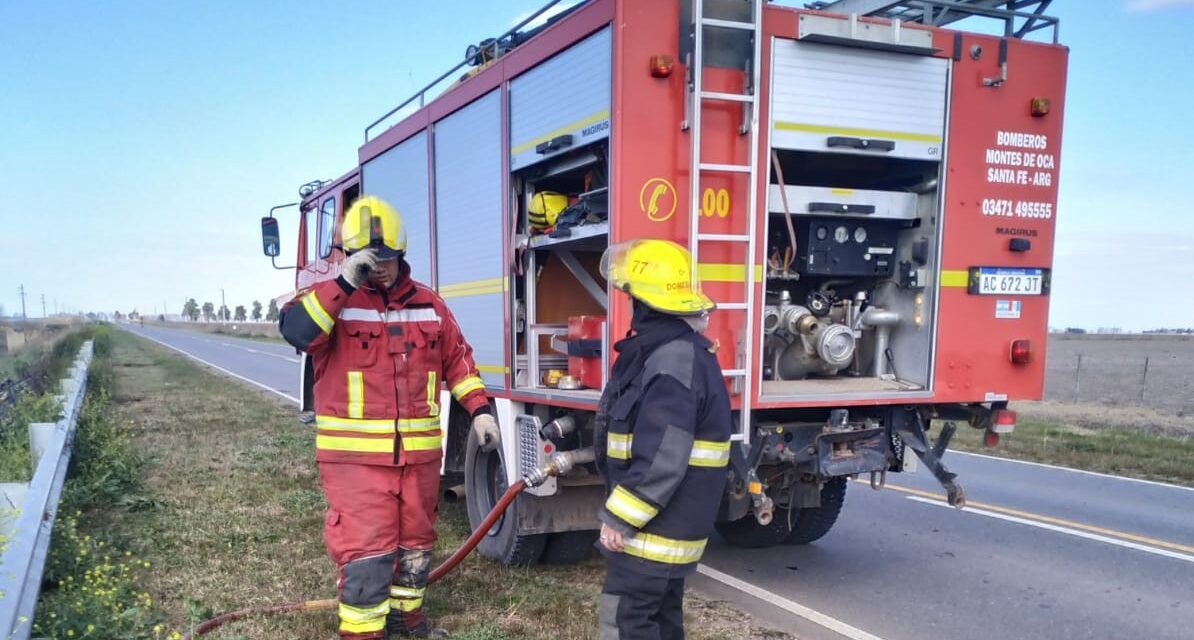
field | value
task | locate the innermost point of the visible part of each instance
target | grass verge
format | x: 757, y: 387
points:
x: 1125, y: 452
x: 228, y: 514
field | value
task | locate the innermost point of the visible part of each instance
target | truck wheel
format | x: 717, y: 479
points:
x: 811, y: 523
x: 747, y: 532
x: 485, y: 482
x: 569, y: 547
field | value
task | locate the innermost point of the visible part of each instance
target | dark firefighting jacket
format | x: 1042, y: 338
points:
x: 380, y: 358
x: 663, y: 445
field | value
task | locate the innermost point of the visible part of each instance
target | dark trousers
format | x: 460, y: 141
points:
x: 637, y: 606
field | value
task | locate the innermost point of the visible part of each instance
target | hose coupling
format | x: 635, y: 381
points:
x: 559, y: 464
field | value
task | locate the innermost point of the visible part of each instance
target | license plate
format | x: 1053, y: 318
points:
x: 1004, y: 281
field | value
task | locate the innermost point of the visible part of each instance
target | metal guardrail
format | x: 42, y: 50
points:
x: 36, y: 502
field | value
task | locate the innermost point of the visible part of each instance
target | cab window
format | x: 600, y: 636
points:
x: 327, y: 222
x: 311, y: 231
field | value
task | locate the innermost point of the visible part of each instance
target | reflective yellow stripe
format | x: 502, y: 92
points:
x: 709, y: 453
x: 363, y: 620
x: 955, y: 278
x: 629, y: 507
x: 422, y: 443
x: 705, y: 453
x: 472, y: 288
x: 618, y: 446
x: 432, y: 392
x: 358, y: 445
x: 418, y: 424
x: 406, y: 604
x: 315, y: 310
x: 467, y: 386
x: 516, y: 149
x: 660, y: 549
x: 492, y: 368
x: 356, y: 394
x: 712, y: 272
x: 375, y: 426
x: 857, y: 133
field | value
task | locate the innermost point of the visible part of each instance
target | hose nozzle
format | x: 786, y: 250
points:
x: 559, y: 464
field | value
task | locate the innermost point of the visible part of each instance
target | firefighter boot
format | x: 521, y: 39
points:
x: 406, y: 619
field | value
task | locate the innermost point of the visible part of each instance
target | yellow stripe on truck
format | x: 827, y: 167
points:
x: 857, y: 133
x: 955, y: 278
x: 715, y: 272
x: 568, y: 128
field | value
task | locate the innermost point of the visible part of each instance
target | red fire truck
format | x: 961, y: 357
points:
x: 870, y: 198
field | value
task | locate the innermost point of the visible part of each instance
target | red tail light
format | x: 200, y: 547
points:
x: 990, y: 439
x: 1004, y: 421
x: 1021, y: 351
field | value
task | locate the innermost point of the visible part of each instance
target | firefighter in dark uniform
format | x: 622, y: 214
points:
x: 663, y: 443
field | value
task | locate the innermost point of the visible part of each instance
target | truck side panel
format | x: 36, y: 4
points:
x: 399, y: 176
x: 468, y: 197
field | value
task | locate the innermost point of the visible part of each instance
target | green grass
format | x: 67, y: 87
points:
x: 228, y: 511
x: 1119, y: 451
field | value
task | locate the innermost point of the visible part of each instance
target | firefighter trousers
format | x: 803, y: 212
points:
x: 379, y: 530
x: 637, y: 606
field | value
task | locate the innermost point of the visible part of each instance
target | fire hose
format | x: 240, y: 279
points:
x: 559, y: 464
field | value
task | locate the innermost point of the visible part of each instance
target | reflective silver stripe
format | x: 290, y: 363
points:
x: 618, y: 446
x: 629, y: 507
x: 356, y: 313
x: 401, y: 315
x: 709, y: 453
x: 412, y: 315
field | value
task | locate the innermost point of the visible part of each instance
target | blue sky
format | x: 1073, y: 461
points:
x: 141, y: 141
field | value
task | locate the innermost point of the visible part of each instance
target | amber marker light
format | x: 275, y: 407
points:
x: 661, y: 66
x: 1039, y: 107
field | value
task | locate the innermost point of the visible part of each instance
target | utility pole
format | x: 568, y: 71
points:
x: 21, y: 289
x: 223, y: 304
x: 43, y: 306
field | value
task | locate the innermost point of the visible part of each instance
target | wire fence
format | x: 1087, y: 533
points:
x: 1153, y: 372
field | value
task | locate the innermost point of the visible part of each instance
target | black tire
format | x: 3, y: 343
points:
x: 812, y: 523
x: 747, y: 532
x: 485, y: 482
x: 569, y: 547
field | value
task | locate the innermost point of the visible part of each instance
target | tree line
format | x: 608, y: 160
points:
x: 192, y: 310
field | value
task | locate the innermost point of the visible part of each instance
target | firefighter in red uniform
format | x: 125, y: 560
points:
x: 381, y: 345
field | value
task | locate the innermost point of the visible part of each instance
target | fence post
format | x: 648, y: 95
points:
x: 1078, y: 379
x: 1144, y: 380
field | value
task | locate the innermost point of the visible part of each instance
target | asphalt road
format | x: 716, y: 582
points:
x: 1039, y: 553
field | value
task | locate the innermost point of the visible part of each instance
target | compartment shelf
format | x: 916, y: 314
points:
x: 582, y: 235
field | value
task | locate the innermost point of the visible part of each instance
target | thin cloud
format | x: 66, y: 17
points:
x: 1145, y: 6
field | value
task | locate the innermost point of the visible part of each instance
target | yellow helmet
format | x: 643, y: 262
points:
x: 658, y: 273
x: 371, y: 222
x: 545, y: 208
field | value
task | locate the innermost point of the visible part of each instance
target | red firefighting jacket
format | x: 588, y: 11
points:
x: 379, y: 360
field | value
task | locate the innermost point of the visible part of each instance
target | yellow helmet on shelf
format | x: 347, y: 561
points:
x: 658, y: 273
x: 545, y: 208
x: 371, y: 222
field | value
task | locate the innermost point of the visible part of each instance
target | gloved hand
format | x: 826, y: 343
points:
x: 357, y: 266
x: 486, y: 429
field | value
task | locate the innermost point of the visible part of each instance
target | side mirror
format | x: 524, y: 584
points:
x: 270, y: 237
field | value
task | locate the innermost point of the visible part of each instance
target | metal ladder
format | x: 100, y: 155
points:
x: 742, y: 374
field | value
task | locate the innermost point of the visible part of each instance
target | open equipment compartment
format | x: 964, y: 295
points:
x: 857, y: 139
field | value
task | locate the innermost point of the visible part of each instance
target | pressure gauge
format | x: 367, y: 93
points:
x: 841, y: 234
x: 822, y: 233
x: 860, y: 235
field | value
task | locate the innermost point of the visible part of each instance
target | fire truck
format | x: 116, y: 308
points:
x: 869, y: 196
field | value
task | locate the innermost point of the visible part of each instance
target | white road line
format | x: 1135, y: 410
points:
x: 223, y: 370
x: 795, y: 608
x: 1059, y: 529
x: 1072, y: 470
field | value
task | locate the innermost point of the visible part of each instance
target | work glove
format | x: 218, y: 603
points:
x: 356, y: 267
x: 486, y: 429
